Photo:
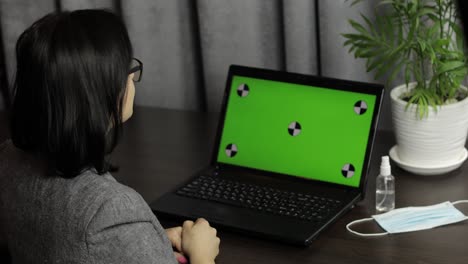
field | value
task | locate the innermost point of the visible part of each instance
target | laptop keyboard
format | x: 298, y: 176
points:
x: 265, y: 199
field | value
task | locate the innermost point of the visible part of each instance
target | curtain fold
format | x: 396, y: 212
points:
x: 187, y: 46
x: 333, y: 20
x: 236, y: 32
x: 163, y: 38
x: 5, y: 99
x: 300, y: 36
x: 15, y: 17
x: 86, y: 4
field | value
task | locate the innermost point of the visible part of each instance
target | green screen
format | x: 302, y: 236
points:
x: 299, y: 130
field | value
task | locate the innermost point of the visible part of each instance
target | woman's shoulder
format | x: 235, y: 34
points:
x: 105, y: 196
x: 118, y: 206
x: 124, y: 224
x: 108, y: 200
x: 101, y: 186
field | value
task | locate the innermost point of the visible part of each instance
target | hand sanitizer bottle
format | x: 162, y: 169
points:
x: 385, y: 188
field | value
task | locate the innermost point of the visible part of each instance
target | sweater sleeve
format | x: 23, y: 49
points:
x: 124, y: 230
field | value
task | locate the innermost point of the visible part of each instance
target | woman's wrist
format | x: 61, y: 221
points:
x: 201, y: 260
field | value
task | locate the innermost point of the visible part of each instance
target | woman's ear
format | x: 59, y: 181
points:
x: 128, y: 99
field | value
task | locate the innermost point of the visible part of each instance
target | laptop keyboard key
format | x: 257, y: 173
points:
x: 302, y: 206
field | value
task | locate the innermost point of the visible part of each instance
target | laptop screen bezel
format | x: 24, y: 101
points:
x: 302, y: 79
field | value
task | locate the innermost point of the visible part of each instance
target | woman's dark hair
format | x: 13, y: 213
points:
x: 72, y: 70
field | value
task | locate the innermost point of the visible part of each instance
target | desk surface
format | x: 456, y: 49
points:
x: 161, y: 148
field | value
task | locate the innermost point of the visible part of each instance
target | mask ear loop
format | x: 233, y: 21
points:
x: 362, y: 234
x: 460, y: 202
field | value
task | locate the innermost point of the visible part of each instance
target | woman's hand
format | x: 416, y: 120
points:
x: 199, y: 241
x: 175, y: 236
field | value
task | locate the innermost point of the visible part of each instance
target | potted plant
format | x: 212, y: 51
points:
x: 421, y: 40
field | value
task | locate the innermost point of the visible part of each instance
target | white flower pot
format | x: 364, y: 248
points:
x: 434, y: 144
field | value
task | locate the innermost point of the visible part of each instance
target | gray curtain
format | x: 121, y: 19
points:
x: 15, y: 16
x: 187, y: 45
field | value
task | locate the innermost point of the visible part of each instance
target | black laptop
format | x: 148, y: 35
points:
x: 291, y: 155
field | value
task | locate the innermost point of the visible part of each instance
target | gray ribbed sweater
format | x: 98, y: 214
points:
x: 87, y: 219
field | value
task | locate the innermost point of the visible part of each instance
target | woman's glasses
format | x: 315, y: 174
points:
x: 136, y: 67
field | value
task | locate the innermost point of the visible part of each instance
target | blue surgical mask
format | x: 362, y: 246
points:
x: 411, y: 219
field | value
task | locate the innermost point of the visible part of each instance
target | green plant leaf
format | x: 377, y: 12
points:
x: 385, y: 2
x: 390, y: 62
x: 368, y: 53
x: 458, y: 34
x: 358, y: 27
x: 355, y: 2
x: 422, y: 44
x: 356, y: 37
x: 449, y: 66
x: 427, y: 10
x: 408, y: 68
x: 368, y: 23
x: 395, y: 71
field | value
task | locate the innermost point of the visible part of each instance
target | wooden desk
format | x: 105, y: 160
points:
x: 161, y: 148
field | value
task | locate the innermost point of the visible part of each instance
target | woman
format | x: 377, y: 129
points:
x: 74, y: 88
